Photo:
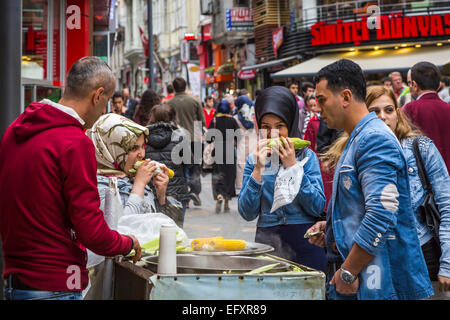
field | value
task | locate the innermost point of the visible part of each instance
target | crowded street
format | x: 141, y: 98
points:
x: 225, y: 158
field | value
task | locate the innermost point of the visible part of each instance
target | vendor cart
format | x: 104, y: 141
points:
x: 139, y: 282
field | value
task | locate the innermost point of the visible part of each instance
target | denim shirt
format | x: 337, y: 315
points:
x: 440, y: 183
x: 371, y: 206
x: 255, y: 199
x: 131, y: 202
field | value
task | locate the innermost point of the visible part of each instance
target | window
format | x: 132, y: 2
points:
x: 41, y: 40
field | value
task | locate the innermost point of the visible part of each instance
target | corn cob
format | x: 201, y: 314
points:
x: 198, y: 243
x: 228, y: 245
x: 158, y: 170
x: 298, y: 143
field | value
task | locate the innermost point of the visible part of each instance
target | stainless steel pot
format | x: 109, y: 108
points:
x: 195, y: 264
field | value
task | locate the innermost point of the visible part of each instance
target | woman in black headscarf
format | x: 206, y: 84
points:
x: 224, y: 169
x: 276, y: 113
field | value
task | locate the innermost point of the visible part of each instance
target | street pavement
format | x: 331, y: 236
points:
x: 203, y: 221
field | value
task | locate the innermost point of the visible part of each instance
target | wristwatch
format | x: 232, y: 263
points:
x: 347, y: 276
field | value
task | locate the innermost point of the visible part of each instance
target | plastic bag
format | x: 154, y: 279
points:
x: 112, y: 211
x: 146, y: 227
x: 287, y: 184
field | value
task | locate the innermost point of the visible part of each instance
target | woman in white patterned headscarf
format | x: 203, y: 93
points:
x: 119, y: 144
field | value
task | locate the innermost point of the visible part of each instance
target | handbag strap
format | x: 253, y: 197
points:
x: 421, y: 167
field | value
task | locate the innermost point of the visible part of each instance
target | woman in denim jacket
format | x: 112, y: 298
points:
x: 381, y: 100
x: 276, y: 109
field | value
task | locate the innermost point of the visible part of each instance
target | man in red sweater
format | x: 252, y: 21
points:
x: 49, y: 202
x: 428, y: 112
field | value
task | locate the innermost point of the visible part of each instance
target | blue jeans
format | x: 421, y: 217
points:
x: 15, y: 294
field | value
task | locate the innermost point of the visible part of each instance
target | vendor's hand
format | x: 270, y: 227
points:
x: 286, y: 152
x: 444, y: 283
x: 137, y: 249
x: 160, y: 182
x: 318, y: 240
x: 342, y: 287
x: 145, y: 172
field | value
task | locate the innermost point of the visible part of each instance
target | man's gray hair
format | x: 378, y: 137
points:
x: 87, y: 74
x: 229, y: 98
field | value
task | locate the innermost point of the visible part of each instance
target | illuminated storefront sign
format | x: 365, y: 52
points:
x: 395, y: 26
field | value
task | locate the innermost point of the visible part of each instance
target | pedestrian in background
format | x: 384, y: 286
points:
x: 170, y: 93
x: 129, y: 102
x: 190, y: 116
x: 247, y: 137
x: 370, y: 230
x: 277, y: 110
x: 118, y: 103
x: 165, y: 136
x: 313, y: 125
x: 149, y: 99
x: 305, y: 112
x: 224, y: 169
x: 208, y: 110
x: 428, y: 112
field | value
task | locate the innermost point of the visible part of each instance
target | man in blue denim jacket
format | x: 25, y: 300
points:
x: 372, y: 222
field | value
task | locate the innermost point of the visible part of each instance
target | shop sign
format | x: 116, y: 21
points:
x: 247, y: 74
x: 239, y: 19
x: 277, y: 40
x: 206, y: 34
x: 394, y: 26
x: 210, y: 79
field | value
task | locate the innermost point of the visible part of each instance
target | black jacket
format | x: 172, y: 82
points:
x: 159, y: 148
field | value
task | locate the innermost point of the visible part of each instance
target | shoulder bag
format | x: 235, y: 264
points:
x: 428, y: 210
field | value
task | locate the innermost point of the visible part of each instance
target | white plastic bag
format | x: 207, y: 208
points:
x: 146, y: 227
x: 112, y: 211
x: 287, y: 184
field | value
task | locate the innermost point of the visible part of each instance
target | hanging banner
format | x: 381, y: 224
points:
x: 144, y: 40
x: 277, y: 40
x: 194, y: 79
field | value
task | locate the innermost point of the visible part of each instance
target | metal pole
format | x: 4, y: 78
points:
x: 10, y: 68
x: 150, y: 43
x: 10, y: 61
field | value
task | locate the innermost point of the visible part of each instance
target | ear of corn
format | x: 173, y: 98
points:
x: 138, y: 164
x: 228, y: 245
x: 298, y: 143
x: 197, y: 244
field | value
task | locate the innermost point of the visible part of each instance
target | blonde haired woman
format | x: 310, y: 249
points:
x: 382, y: 101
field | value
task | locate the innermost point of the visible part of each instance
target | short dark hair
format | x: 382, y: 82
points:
x: 257, y: 92
x: 170, y: 88
x: 118, y: 94
x: 426, y: 75
x: 344, y: 74
x: 383, y: 80
x: 445, y: 80
x: 306, y: 85
x: 179, y: 84
x: 87, y: 74
x: 208, y: 98
x: 290, y: 83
